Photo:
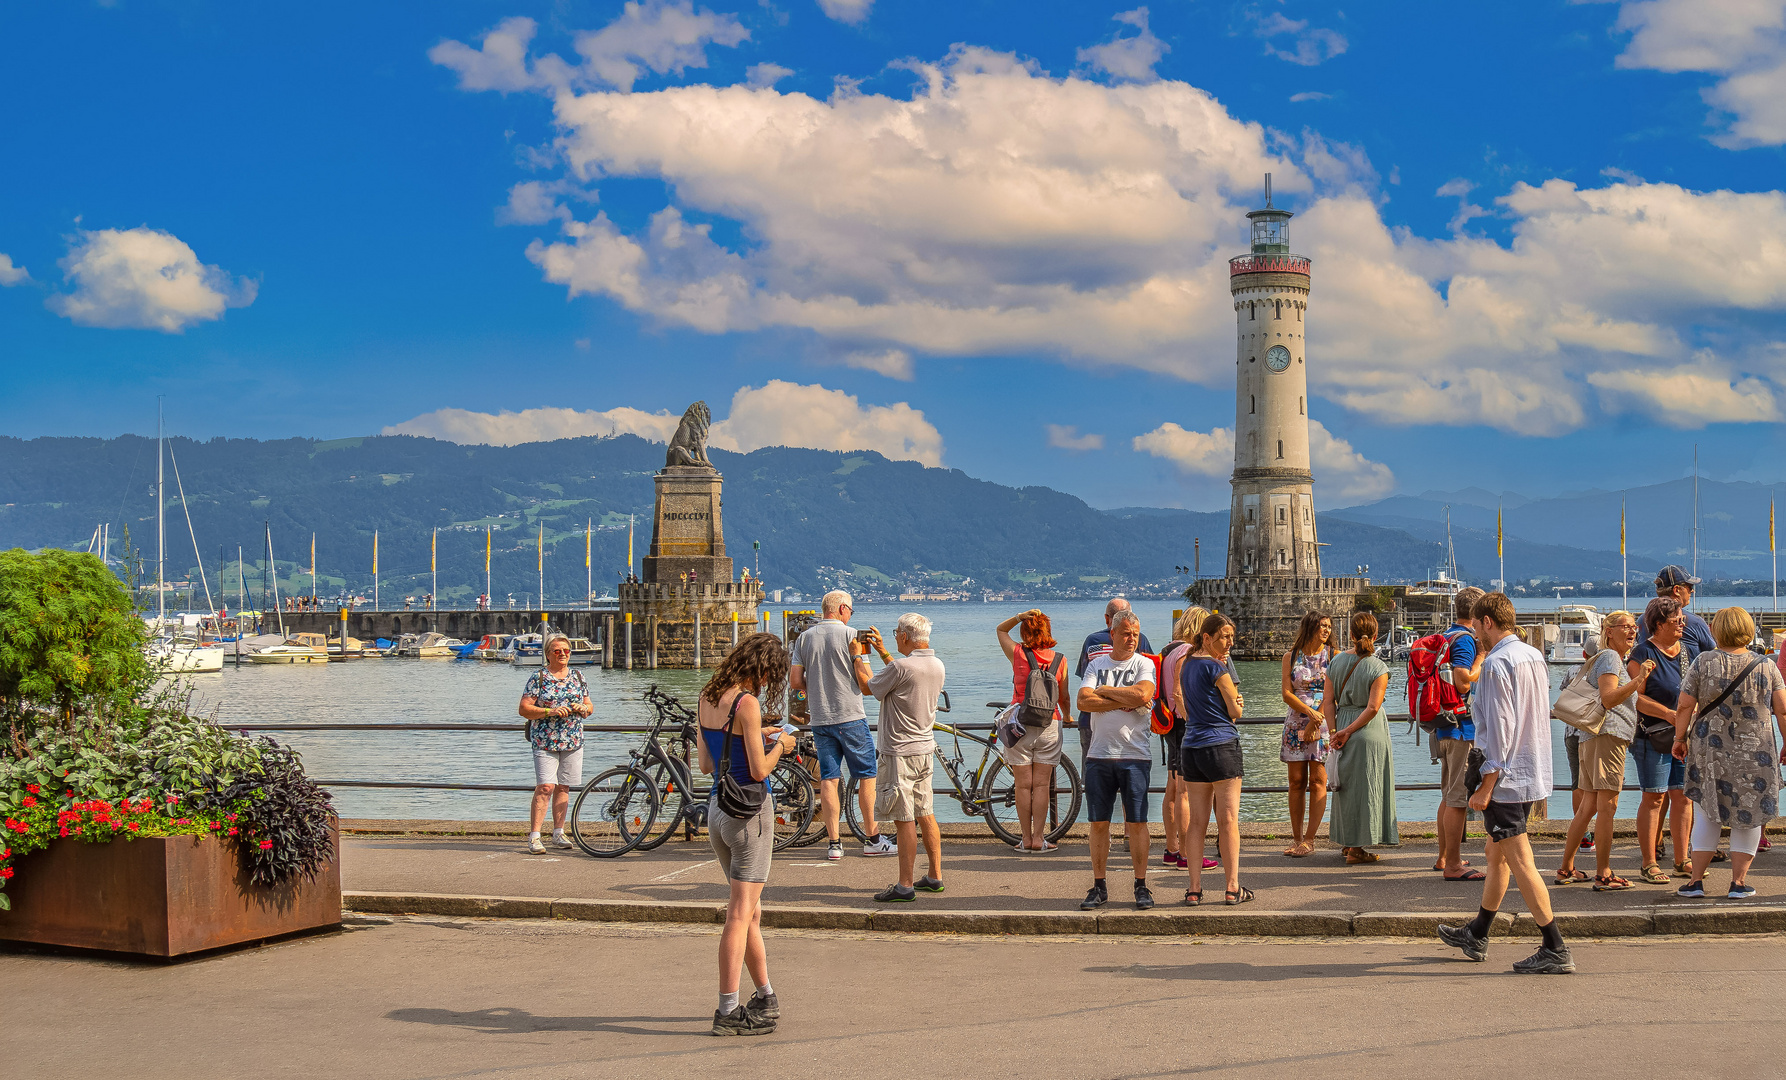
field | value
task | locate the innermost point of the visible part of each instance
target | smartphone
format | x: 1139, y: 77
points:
x: 866, y: 637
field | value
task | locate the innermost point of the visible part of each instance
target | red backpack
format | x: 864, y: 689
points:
x: 1432, y: 701
x: 1162, y: 720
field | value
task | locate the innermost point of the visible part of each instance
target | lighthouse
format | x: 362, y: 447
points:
x: 1272, y: 518
x: 1274, y: 557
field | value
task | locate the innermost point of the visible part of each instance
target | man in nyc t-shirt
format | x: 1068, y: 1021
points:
x: 1118, y: 692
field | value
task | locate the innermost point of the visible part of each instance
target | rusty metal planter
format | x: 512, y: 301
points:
x: 160, y: 896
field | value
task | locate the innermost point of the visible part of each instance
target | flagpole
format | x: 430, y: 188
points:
x: 1624, y: 562
x: 588, y: 566
x: 1500, y: 552
x: 489, y: 601
x: 374, y: 569
x: 629, y: 545
x: 312, y: 569
x: 542, y: 568
x: 1771, y: 551
x: 434, y: 571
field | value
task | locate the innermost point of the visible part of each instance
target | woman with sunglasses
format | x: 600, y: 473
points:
x: 554, y: 703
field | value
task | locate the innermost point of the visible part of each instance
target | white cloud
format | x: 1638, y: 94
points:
x: 999, y: 210
x: 1342, y: 474
x: 1131, y: 57
x: 1194, y: 452
x: 853, y: 12
x: 533, y: 202
x: 776, y: 414
x: 143, y: 278
x: 1460, y: 189
x: 1744, y: 41
x: 660, y: 36
x: 1067, y: 437
x: 893, y: 363
x: 10, y: 274
x: 1692, y: 395
x: 765, y: 74
x: 1310, y: 95
x: 1307, y: 47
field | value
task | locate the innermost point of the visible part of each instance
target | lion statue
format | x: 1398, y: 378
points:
x: 689, y: 447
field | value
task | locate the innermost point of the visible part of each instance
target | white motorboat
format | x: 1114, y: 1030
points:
x: 351, y: 648
x: 1575, y: 623
x: 524, y: 650
x: 584, y: 651
x: 491, y: 647
x: 432, y: 646
x: 287, y: 654
x: 176, y: 656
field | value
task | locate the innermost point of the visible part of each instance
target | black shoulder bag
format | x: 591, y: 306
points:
x: 736, y: 798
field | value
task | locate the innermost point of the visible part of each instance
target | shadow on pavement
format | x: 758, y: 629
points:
x: 522, y: 1022
x: 1237, y: 972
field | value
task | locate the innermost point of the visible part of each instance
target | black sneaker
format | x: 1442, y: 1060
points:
x: 1096, y: 897
x: 893, y: 894
x: 1143, y: 897
x: 741, y: 1022
x: 1460, y: 937
x: 1547, y: 961
x: 928, y: 884
x: 764, y: 1005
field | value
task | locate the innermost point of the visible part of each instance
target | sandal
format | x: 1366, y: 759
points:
x: 1654, y: 875
x: 1440, y: 867
x: 1360, y: 856
x: 1300, y: 851
x: 1571, y: 877
x: 1682, y: 869
x: 1611, y: 883
x: 1193, y: 897
x: 1241, y: 896
x: 1719, y: 856
x: 1469, y: 875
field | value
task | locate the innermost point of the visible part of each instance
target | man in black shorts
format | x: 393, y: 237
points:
x: 1512, y: 714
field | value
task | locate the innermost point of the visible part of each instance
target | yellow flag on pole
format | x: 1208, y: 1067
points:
x: 1498, y: 551
x: 486, y: 550
x: 433, y: 548
x: 1621, y: 529
x: 313, y: 553
x: 542, y: 547
x: 1770, y: 526
x: 588, y: 533
x: 375, y: 551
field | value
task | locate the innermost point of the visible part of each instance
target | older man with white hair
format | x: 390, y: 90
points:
x: 822, y: 667
x: 907, y: 689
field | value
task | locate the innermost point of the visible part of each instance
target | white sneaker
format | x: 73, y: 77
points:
x: 835, y: 851
x: 882, y: 845
x: 562, y: 840
x: 535, y: 846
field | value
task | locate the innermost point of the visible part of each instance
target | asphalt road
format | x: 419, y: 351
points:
x: 441, y: 998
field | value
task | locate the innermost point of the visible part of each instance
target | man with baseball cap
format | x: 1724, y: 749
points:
x: 1672, y: 581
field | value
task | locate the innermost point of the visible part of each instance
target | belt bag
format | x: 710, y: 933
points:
x: 737, y: 799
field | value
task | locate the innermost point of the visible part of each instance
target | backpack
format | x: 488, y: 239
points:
x: 1162, y: 718
x: 1433, y: 702
x: 1041, y: 690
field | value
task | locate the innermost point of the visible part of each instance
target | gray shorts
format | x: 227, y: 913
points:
x: 743, y: 848
x: 1039, y: 746
x: 561, y: 767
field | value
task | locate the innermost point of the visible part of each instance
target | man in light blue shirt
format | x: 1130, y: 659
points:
x: 1512, y: 715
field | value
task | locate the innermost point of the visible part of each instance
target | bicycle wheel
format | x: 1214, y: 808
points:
x: 795, y: 803
x: 1000, y: 796
x: 669, y: 778
x: 614, y: 811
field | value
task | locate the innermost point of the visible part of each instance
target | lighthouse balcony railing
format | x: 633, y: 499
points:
x: 1268, y: 264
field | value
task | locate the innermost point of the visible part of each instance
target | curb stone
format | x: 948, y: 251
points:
x: 1219, y: 921
x: 1420, y: 923
x: 1590, y: 924
x: 668, y: 911
x: 985, y: 922
x: 489, y: 907
x: 1691, y: 918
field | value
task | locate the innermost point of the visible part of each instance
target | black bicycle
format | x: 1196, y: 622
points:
x: 990, y: 789
x: 675, y: 796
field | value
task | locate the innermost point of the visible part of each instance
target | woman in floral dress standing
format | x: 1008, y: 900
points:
x: 1305, y: 747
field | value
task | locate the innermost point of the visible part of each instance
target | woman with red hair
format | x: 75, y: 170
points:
x: 1032, y: 758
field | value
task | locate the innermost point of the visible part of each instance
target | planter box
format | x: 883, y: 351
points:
x: 160, y: 896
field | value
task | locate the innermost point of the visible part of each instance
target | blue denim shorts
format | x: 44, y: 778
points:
x: 1657, y: 771
x: 1106, y: 777
x: 849, y: 741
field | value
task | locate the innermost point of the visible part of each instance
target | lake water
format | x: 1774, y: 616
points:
x: 467, y: 691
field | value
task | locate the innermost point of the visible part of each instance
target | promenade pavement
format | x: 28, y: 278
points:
x: 416, y: 998
x: 986, y: 876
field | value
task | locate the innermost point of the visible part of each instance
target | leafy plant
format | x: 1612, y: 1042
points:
x: 70, y: 640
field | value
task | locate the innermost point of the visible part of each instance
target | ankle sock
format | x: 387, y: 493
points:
x: 728, y: 1003
x: 765, y: 989
x: 1553, y: 938
x: 533, y: 836
x: 1140, y: 883
x: 1098, y: 883
x: 1483, y: 920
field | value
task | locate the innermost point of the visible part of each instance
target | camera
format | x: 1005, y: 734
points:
x: 866, y: 637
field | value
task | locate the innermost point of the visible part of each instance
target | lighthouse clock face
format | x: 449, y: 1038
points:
x: 1277, y: 358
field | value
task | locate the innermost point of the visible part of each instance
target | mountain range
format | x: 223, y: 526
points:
x: 822, y: 518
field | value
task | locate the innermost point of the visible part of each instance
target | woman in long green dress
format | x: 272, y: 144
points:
x: 1364, y: 780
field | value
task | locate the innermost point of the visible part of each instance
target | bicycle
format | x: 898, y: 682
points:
x: 990, y: 790
x: 675, y: 797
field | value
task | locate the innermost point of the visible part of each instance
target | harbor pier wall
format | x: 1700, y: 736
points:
x: 465, y: 625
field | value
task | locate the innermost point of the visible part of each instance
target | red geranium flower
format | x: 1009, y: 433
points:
x: 29, y: 802
x: 5, y: 872
x: 33, y: 788
x: 232, y: 830
x: 216, y: 825
x: 266, y: 845
x: 232, y: 817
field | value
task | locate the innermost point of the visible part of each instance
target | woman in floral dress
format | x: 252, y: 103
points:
x: 1305, y: 747
x: 554, y: 703
x: 1732, y: 774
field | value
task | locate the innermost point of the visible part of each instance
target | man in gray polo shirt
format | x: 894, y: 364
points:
x: 907, y: 689
x: 822, y: 667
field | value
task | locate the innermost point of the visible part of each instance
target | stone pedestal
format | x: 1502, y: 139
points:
x: 686, y: 533
x: 1267, y: 610
x: 665, y: 619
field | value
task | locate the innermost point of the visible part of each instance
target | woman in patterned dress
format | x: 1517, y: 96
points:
x: 1732, y: 774
x: 1305, y: 747
x: 554, y: 703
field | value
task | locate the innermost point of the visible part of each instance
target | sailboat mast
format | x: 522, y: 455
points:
x: 1695, y: 509
x: 160, y: 529
x: 275, y: 572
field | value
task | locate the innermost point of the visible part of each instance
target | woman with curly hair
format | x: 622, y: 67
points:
x: 730, y: 711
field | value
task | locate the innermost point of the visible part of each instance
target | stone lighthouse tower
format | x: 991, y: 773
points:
x: 1272, y: 518
x: 1274, y: 557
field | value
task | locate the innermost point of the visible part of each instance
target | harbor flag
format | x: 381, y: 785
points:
x: 313, y: 568
x: 588, y: 566
x: 1499, y: 553
x: 629, y: 545
x: 374, y: 569
x: 1624, y: 563
x: 433, y: 570
x: 542, y: 565
x: 1771, y: 551
x: 488, y: 599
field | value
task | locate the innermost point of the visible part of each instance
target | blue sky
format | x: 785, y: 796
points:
x: 986, y: 235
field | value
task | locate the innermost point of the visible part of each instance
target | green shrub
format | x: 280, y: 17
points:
x: 71, y: 643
